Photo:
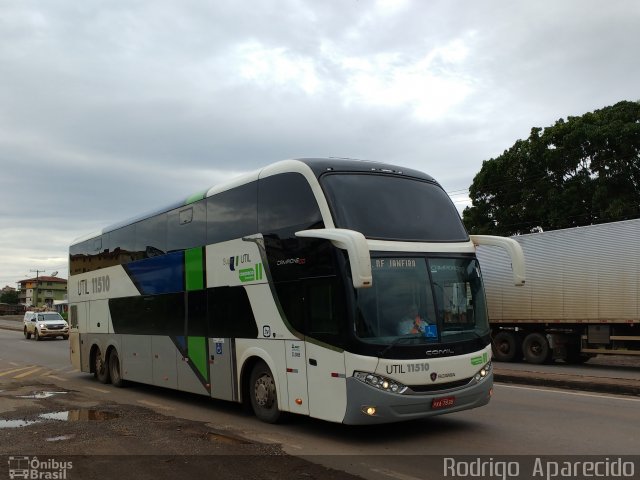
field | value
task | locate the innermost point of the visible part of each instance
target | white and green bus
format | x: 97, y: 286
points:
x: 344, y: 290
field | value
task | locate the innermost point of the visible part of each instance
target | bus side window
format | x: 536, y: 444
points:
x: 151, y: 236
x: 230, y: 313
x: 286, y: 204
x: 186, y: 227
x: 122, y: 245
x: 291, y: 299
x: 325, y: 309
x: 232, y: 214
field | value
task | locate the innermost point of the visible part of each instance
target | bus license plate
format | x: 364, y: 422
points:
x: 444, y: 402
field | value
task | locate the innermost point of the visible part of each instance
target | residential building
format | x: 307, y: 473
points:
x: 42, y: 291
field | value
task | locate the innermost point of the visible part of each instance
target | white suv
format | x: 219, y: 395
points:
x: 45, y: 324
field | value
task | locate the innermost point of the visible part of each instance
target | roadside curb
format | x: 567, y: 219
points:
x: 620, y: 386
x: 8, y: 326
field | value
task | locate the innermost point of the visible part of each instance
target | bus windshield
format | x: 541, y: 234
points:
x: 425, y: 300
x: 387, y: 207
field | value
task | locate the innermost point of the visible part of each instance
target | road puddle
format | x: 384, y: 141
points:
x: 16, y: 423
x: 218, y: 437
x: 80, y: 415
x: 41, y: 395
x: 60, y: 438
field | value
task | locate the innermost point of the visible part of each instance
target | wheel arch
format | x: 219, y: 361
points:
x: 246, y: 364
x: 106, y: 350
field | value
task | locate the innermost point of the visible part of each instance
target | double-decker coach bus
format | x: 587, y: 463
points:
x: 344, y: 290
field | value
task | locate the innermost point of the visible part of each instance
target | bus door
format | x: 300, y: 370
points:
x: 324, y: 309
x: 297, y: 376
x: 326, y: 382
x: 222, y: 367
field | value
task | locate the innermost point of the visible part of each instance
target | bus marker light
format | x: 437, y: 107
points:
x: 298, y: 401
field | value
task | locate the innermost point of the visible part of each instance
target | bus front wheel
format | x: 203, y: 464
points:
x: 262, y: 391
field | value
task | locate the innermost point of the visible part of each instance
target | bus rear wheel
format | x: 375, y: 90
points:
x: 114, y: 369
x: 262, y: 392
x: 101, y: 370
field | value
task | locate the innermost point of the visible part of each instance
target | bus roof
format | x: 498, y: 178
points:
x: 318, y: 166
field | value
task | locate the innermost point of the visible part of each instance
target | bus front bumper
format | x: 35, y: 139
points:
x: 367, y: 405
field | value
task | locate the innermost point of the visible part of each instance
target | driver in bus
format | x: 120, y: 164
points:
x: 412, y: 322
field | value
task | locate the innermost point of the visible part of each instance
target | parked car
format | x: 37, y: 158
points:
x: 45, y: 324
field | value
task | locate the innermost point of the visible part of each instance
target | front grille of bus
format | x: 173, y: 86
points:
x: 417, y: 389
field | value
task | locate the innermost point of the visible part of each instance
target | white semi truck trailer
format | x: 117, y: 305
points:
x: 581, y: 296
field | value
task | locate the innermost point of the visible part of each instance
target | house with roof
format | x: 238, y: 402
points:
x: 42, y: 291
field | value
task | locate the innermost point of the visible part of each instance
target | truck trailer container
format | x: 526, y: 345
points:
x: 581, y: 296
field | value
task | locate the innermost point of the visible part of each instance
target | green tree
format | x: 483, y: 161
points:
x: 579, y: 171
x: 10, y: 297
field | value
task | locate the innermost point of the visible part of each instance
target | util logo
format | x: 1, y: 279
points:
x: 237, y: 260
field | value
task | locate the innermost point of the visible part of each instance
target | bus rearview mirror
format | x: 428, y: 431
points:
x: 356, y: 246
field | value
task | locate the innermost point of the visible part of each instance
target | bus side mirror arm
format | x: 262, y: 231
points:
x: 514, y: 250
x: 356, y: 246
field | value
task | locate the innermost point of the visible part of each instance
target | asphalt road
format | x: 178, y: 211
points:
x: 520, y: 420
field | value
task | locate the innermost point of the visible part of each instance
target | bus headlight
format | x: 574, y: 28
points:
x: 483, y: 372
x: 380, y: 382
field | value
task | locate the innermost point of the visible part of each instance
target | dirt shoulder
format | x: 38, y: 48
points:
x: 105, y: 440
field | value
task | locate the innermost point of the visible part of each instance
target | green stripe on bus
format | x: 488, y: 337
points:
x: 195, y: 197
x: 193, y: 260
x: 197, y: 347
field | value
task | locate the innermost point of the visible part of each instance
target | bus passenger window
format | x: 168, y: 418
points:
x: 325, y: 309
x: 287, y: 204
x: 232, y: 214
x: 230, y: 313
x: 186, y: 227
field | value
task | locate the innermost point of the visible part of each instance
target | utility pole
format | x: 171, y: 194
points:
x: 35, y: 294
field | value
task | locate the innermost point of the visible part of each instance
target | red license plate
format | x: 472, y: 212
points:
x: 444, y: 402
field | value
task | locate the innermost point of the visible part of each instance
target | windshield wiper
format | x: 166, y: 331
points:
x: 398, y: 341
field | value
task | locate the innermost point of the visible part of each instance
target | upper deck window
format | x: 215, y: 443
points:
x: 388, y: 207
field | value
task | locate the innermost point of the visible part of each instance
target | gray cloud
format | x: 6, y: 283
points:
x: 108, y: 109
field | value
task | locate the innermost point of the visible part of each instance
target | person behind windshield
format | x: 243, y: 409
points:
x: 412, y: 323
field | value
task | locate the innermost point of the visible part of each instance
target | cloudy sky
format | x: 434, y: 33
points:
x: 112, y: 108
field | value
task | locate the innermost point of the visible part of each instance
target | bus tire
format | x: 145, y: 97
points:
x: 114, y: 369
x: 505, y: 346
x: 262, y: 393
x: 101, y: 369
x: 536, y: 349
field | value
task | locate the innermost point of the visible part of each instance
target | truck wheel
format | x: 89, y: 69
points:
x: 536, y: 348
x: 27, y: 335
x: 101, y: 370
x: 36, y: 335
x: 262, y: 392
x: 505, y: 347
